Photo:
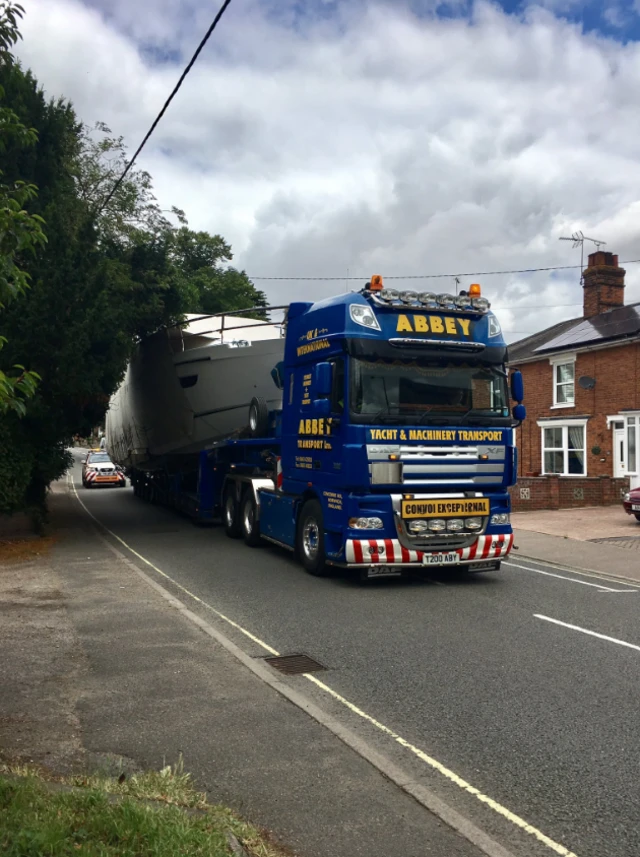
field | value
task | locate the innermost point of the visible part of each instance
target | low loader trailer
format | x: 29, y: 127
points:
x: 393, y: 448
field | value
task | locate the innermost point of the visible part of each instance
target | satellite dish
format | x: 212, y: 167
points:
x: 586, y: 382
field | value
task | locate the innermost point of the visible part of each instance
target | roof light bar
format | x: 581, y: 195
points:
x: 470, y: 301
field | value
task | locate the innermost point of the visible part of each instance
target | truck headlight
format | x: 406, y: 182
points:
x: 626, y: 498
x: 437, y: 525
x: 364, y: 316
x: 366, y: 523
x: 418, y: 527
x: 501, y: 518
x: 454, y: 525
x: 473, y: 523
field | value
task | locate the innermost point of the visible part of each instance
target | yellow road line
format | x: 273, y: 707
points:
x: 450, y: 775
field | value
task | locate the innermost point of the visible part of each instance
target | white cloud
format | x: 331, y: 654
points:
x: 615, y: 16
x: 370, y: 139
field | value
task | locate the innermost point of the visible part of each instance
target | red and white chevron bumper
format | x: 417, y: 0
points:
x: 95, y: 476
x: 391, y: 552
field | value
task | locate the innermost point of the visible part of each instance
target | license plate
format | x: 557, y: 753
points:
x: 435, y: 507
x: 635, y: 508
x: 440, y: 558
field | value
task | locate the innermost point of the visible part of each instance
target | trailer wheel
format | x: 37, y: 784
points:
x: 311, y: 539
x: 258, y: 417
x: 249, y: 521
x: 231, y: 513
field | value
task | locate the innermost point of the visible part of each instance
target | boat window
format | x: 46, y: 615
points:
x: 188, y: 381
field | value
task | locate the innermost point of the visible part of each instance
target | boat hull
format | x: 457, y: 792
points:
x: 172, y: 405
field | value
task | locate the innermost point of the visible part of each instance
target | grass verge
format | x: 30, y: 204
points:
x: 152, y: 814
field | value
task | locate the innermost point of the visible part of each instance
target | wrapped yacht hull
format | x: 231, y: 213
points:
x: 175, y: 401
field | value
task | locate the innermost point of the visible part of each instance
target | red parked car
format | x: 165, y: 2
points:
x: 631, y: 503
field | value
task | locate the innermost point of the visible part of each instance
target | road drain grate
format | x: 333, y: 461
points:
x: 294, y: 664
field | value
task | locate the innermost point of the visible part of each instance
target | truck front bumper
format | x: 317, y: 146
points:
x: 389, y: 552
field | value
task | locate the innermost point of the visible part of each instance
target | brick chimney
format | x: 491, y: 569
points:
x: 603, y: 284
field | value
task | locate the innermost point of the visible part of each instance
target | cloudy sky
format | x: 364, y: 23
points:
x: 336, y: 138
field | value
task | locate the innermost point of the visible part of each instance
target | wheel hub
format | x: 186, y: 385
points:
x: 310, y: 539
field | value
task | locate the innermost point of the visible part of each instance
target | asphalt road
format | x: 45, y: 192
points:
x: 472, y: 677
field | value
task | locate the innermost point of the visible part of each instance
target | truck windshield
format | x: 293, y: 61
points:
x: 423, y: 391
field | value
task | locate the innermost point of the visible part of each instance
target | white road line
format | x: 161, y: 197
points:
x: 598, y: 586
x: 450, y: 775
x: 587, y: 631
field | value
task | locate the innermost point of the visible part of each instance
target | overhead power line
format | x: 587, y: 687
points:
x: 444, y: 276
x: 188, y: 68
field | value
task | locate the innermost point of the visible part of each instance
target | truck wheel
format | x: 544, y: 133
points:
x: 231, y: 513
x: 249, y: 519
x: 311, y: 539
x: 258, y: 417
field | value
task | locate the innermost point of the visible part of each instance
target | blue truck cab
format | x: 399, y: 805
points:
x: 394, y: 447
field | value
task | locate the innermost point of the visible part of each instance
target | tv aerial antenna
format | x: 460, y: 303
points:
x: 578, y: 238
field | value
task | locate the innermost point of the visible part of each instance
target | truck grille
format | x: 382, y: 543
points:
x: 452, y: 465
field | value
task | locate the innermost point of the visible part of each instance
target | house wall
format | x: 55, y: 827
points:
x: 558, y: 492
x: 617, y: 374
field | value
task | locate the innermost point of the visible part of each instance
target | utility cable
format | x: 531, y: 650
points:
x: 156, y: 121
x: 444, y: 276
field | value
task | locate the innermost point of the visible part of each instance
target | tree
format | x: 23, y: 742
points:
x: 199, y: 259
x: 133, y: 207
x: 107, y: 277
x: 20, y: 232
x: 95, y: 288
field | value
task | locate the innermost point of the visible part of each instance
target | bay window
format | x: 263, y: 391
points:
x: 564, y: 447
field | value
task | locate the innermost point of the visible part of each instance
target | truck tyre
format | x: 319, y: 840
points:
x: 249, y: 521
x: 311, y: 539
x: 231, y: 513
x: 258, y: 417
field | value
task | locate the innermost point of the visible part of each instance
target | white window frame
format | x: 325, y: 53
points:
x: 564, y: 425
x: 631, y: 419
x: 562, y: 360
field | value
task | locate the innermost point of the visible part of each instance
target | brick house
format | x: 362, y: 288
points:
x: 580, y: 443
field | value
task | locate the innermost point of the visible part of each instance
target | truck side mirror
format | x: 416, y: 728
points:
x: 323, y: 380
x: 321, y: 407
x: 519, y: 413
x: 517, y: 386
